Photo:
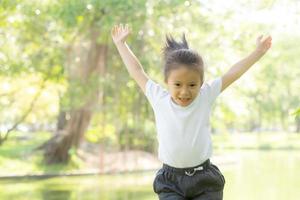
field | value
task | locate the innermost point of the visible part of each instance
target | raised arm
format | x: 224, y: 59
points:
x: 238, y: 69
x: 119, y: 34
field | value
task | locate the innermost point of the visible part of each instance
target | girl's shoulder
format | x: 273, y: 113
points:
x: 155, y: 91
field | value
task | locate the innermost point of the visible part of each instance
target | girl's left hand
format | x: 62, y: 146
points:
x: 263, y: 44
x: 119, y: 33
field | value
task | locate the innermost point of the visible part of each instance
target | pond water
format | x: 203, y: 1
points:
x: 255, y: 175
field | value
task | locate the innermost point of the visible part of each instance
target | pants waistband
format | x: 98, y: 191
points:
x: 190, y: 171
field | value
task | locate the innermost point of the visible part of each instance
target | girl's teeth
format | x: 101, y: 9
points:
x: 184, y: 99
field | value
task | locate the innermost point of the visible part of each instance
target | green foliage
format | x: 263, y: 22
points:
x: 297, y: 113
x: 105, y: 134
x: 35, y: 37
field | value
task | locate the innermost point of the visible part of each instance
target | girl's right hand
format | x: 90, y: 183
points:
x: 263, y: 44
x: 119, y: 33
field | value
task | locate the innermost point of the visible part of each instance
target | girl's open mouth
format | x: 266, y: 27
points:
x: 184, y: 100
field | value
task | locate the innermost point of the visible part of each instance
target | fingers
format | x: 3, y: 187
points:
x: 267, y: 42
x: 262, y: 38
x: 120, y: 28
x: 264, y: 43
x: 267, y: 39
x: 124, y: 28
x: 114, y: 30
x: 259, y: 38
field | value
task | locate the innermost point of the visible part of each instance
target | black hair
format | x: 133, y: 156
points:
x: 177, y: 54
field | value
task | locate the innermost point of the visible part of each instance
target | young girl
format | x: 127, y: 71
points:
x: 182, y: 116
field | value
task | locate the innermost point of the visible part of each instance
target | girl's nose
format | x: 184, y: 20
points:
x: 184, y: 91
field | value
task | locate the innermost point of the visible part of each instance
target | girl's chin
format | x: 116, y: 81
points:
x: 183, y: 102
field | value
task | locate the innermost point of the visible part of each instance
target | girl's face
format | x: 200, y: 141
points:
x: 184, y: 85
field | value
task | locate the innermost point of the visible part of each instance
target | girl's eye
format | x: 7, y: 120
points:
x: 193, y: 85
x: 177, y: 84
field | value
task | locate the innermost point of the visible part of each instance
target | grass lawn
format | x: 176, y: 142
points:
x: 261, y: 141
x: 18, y: 156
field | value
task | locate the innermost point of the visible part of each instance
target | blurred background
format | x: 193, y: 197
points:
x: 74, y: 125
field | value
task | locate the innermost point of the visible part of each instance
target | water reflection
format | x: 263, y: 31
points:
x: 256, y: 175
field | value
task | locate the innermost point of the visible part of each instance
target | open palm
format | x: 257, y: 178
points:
x: 119, y: 33
x: 263, y: 44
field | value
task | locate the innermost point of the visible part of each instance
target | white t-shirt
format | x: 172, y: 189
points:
x: 183, y: 132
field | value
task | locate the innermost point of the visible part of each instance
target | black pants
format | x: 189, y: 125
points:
x: 202, y: 182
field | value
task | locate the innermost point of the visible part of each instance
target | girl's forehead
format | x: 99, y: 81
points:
x: 184, y: 74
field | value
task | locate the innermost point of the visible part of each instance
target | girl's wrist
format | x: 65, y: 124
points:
x: 259, y: 52
x: 118, y: 43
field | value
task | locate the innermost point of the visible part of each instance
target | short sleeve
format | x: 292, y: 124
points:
x: 214, y: 89
x: 154, y: 92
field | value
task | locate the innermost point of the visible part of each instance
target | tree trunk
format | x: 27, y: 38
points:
x: 86, y: 62
x: 57, y: 150
x: 61, y: 120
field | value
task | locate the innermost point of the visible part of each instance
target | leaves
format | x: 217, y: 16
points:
x: 35, y: 37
